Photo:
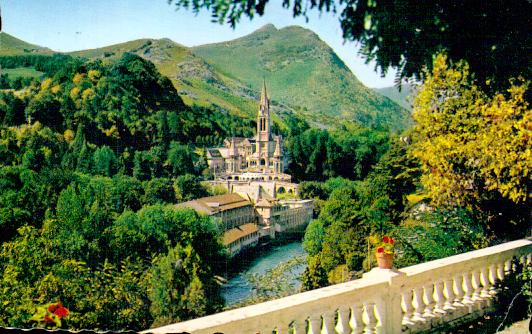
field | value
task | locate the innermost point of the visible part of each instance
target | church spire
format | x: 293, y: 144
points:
x: 264, y: 101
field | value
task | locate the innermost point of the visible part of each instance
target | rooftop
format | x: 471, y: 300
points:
x: 214, y: 204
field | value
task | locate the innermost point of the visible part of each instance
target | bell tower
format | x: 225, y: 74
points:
x: 263, y: 128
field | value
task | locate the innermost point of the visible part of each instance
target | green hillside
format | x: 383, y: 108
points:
x: 304, y: 72
x: 196, y: 81
x: 402, y: 98
x: 10, y: 46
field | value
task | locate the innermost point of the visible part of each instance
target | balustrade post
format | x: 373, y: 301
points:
x: 508, y: 267
x: 440, y: 304
x: 300, y: 327
x: 500, y: 271
x: 315, y: 324
x: 409, y: 308
x: 449, y: 295
x: 343, y: 320
x: 284, y: 328
x: 328, y: 322
x: 429, y: 301
x: 459, y: 291
x: 468, y: 288
x: 420, y: 305
x: 357, y: 324
x: 371, y: 325
x: 493, y: 279
x: 484, y: 279
x: 388, y: 306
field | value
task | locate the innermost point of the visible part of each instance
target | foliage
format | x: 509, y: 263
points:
x: 430, y: 235
x: 175, y: 294
x: 525, y: 276
x: 313, y: 239
x: 108, y: 287
x: 347, y: 150
x: 350, y: 211
x: 188, y: 187
x: 475, y: 32
x: 474, y: 148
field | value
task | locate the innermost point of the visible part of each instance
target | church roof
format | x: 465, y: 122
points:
x: 213, y: 153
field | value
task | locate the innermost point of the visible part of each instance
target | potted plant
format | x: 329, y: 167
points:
x: 385, y: 252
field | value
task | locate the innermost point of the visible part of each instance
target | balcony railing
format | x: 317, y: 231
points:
x: 409, y: 300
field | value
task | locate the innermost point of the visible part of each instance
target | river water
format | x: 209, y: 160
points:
x: 238, y: 288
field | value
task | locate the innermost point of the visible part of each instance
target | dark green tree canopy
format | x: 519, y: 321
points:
x: 492, y: 36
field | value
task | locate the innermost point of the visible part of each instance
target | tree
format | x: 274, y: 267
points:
x: 474, y: 148
x: 158, y: 191
x: 475, y: 31
x: 188, y: 187
x: 105, y: 162
x: 180, y: 159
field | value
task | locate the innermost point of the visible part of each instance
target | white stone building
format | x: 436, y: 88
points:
x: 251, y: 159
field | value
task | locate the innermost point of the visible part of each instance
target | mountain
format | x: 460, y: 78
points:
x: 303, y: 72
x: 402, y: 98
x: 10, y: 46
x: 196, y: 81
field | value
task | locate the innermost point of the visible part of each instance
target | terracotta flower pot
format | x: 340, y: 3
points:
x: 384, y: 260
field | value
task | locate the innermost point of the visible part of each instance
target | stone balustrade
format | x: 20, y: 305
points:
x: 410, y: 300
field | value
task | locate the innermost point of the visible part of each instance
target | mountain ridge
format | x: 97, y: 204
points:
x: 11, y: 45
x: 306, y: 73
x: 298, y: 66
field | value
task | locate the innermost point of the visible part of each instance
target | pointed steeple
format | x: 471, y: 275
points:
x: 264, y: 101
x: 263, y: 119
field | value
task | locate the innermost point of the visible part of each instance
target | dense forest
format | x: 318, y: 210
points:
x: 94, y: 154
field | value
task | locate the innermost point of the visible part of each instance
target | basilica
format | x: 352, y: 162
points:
x: 249, y: 159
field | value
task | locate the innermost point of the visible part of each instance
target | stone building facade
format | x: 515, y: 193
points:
x: 258, y: 158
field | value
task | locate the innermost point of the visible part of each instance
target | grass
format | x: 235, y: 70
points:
x: 25, y: 72
x: 10, y: 46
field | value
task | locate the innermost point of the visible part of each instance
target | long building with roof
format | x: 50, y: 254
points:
x: 244, y: 220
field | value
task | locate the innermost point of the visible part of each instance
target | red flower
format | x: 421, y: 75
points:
x: 380, y: 250
x: 48, y: 319
x: 61, y: 312
x: 392, y: 241
x: 385, y: 239
x: 54, y: 307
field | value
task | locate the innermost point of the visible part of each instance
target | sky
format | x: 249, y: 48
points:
x: 69, y: 25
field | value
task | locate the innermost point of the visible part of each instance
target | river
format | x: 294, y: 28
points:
x: 238, y: 288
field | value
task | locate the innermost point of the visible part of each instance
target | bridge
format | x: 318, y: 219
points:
x: 414, y: 299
